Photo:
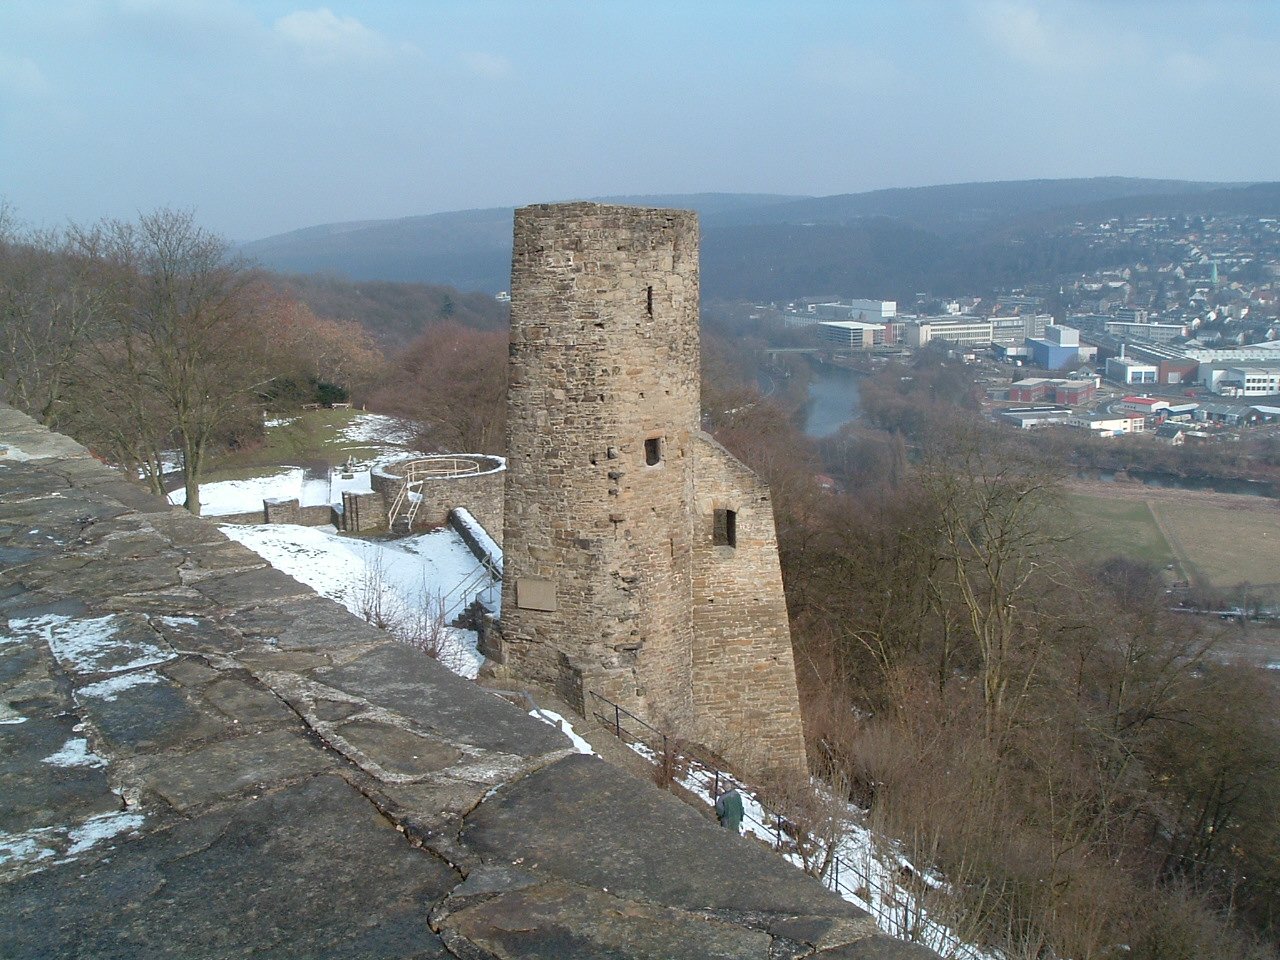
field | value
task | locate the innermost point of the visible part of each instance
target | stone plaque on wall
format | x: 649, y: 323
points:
x: 534, y: 594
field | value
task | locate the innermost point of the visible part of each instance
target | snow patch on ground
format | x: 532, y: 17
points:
x: 376, y: 428
x: 105, y: 826
x: 23, y: 848
x: 89, y: 645
x: 75, y: 753
x: 564, y: 726
x: 28, y: 850
x: 429, y: 577
x: 10, y: 452
x: 224, y: 497
x: 112, y: 687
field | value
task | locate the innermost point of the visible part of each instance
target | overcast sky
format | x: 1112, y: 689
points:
x: 266, y: 116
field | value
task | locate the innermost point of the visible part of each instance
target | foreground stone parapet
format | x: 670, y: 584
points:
x: 200, y: 757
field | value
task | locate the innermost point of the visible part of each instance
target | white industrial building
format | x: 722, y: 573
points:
x: 1104, y: 425
x: 851, y: 334
x: 1127, y: 370
x: 974, y: 331
x: 866, y: 310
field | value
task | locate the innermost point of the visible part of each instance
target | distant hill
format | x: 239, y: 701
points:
x: 887, y: 243
x: 958, y: 207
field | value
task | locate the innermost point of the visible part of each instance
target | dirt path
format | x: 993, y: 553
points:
x: 1186, y: 569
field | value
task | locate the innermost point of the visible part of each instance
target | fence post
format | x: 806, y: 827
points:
x: 617, y: 721
x: 716, y: 791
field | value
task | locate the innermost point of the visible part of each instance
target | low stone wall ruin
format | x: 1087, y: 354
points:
x: 480, y: 493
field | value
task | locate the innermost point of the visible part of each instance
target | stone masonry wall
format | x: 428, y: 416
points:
x: 609, y: 572
x: 604, y: 357
x: 480, y: 493
x: 744, y: 681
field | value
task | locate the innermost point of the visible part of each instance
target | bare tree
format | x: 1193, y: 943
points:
x: 998, y: 557
x: 190, y: 336
x: 53, y: 301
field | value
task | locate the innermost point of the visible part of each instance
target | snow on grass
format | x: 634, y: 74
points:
x: 90, y: 645
x: 224, y: 497
x: 432, y: 576
x: 75, y: 753
x: 376, y: 428
x: 564, y: 726
x: 244, y: 496
x: 112, y: 687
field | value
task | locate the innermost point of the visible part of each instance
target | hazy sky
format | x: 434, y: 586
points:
x: 266, y: 116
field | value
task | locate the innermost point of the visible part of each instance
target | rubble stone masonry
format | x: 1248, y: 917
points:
x: 613, y: 582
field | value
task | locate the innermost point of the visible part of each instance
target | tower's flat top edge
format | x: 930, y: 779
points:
x: 588, y: 207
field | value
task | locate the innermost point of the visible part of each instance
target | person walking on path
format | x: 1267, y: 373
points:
x: 729, y: 809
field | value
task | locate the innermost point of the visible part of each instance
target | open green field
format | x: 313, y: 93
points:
x: 1213, y: 541
x: 1224, y: 547
x: 1114, y: 527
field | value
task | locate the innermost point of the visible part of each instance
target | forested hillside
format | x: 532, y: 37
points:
x: 393, y: 313
x: 886, y: 243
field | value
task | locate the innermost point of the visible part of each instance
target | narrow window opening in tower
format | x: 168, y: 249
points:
x: 648, y: 301
x: 653, y: 451
x: 725, y: 531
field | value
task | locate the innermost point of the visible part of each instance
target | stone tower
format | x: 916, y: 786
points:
x: 640, y: 558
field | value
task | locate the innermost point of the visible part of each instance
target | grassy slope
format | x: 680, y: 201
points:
x: 312, y: 436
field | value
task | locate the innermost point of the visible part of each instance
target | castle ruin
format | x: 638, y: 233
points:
x: 641, y: 560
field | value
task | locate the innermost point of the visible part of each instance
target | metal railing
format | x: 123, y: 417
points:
x: 415, y: 472
x: 893, y: 912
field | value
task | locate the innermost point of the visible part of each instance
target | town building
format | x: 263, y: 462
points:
x: 1070, y: 393
x: 1058, y: 349
x: 1147, y: 406
x: 866, y: 310
x: 1108, y: 425
x: 1128, y: 370
x: 974, y: 331
x: 852, y: 334
x: 1156, y: 332
x: 1031, y: 417
x: 1258, y: 379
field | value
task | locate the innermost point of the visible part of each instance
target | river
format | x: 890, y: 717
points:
x: 833, y: 399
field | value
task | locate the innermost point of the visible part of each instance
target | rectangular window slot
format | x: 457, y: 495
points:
x: 653, y: 451
x: 648, y: 305
x: 725, y: 531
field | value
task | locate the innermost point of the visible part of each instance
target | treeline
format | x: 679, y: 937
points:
x: 1084, y: 774
x: 395, y: 313
x: 148, y: 342
x: 151, y: 343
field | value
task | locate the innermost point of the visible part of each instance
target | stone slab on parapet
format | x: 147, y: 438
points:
x: 199, y: 757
